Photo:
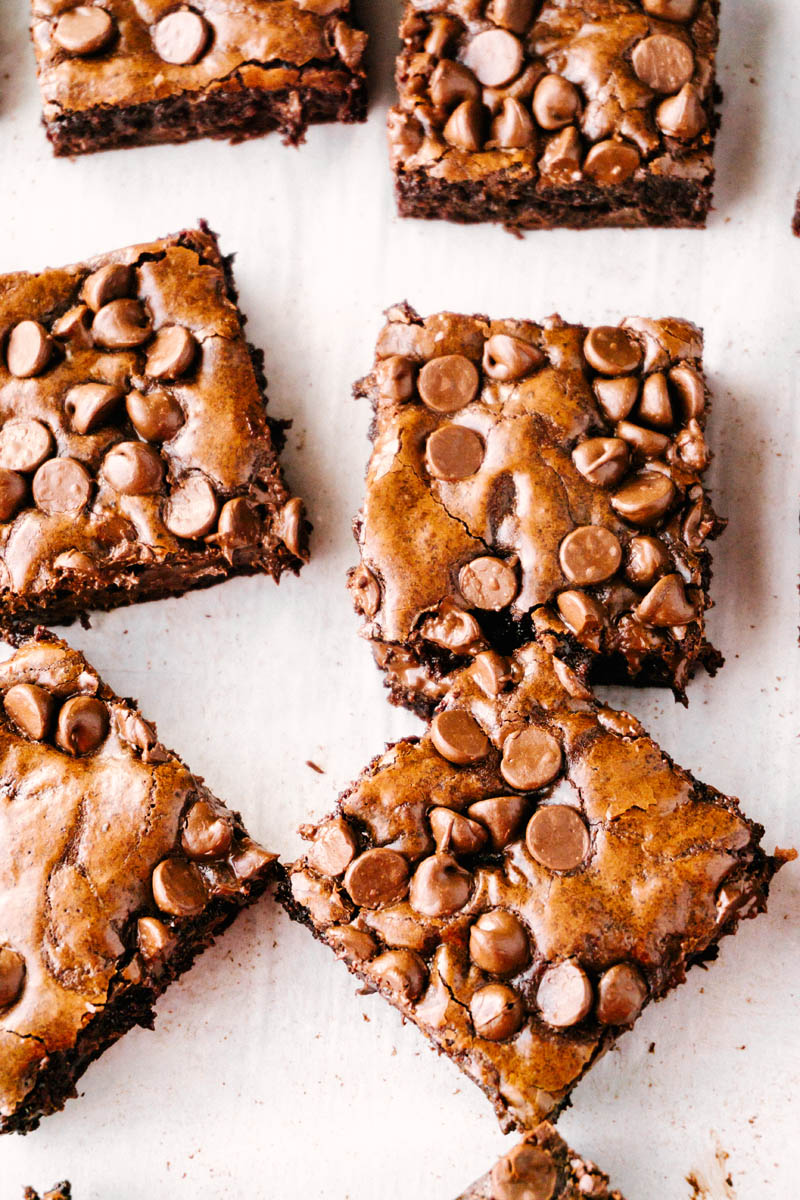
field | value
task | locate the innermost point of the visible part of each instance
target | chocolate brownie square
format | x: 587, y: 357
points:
x: 542, y: 1167
x: 535, y: 480
x: 119, y: 866
x: 135, y: 72
x: 562, y: 113
x: 137, y: 458
x: 525, y: 877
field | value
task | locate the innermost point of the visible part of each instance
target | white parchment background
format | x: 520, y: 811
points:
x: 266, y: 1076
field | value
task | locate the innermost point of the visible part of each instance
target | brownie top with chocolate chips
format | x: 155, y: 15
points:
x: 535, y: 479
x: 542, y: 1167
x: 136, y: 455
x: 525, y: 877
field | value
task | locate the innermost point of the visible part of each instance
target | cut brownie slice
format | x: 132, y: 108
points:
x: 562, y: 113
x: 535, y: 479
x: 137, y: 459
x: 525, y: 877
x: 61, y: 1191
x: 118, y: 867
x: 125, y: 74
x: 542, y: 1167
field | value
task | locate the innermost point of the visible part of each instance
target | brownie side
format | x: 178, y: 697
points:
x: 545, y: 1165
x: 480, y: 878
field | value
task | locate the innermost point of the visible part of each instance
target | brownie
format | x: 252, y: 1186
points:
x: 137, y: 458
x: 542, y: 1167
x: 61, y: 1191
x: 119, y: 867
x: 796, y: 217
x: 135, y: 72
x: 535, y: 480
x: 577, y: 113
x: 521, y: 880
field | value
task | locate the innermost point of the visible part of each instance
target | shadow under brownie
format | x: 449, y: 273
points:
x: 557, y: 114
x: 535, y: 480
x: 131, y: 73
x: 118, y: 868
x: 137, y: 458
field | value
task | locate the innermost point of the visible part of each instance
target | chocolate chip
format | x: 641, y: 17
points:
x: 663, y: 62
x: 12, y: 976
x: 502, y: 816
x: 497, y: 1012
x: 645, y: 498
x: 121, y: 325
x: 448, y: 383
x: 453, y: 452
x: 464, y: 129
x: 453, y: 831
x: 691, y: 391
x: 24, y: 445
x: 377, y: 877
x: 153, y: 938
x: 89, y: 405
x: 171, y: 354
x: 691, y: 448
x: 498, y: 943
x: 334, y: 848
x: 515, y: 15
x: 439, y: 886
x: 453, y: 629
x: 451, y: 83
x: 395, y: 377
x: 655, y: 407
x: 83, y: 30
x: 82, y: 725
x: 671, y: 10
x: 191, y: 511
x: 355, y: 945
x: 488, y: 583
x: 561, y: 161
x: 602, y: 460
x: 682, y: 116
x: 133, y: 469
x: 617, y: 396
x: 365, y: 590
x: 207, y: 834
x: 621, y: 993
x: 590, y: 554
x: 30, y: 708
x: 570, y: 682
x: 239, y: 525
x: 178, y: 888
x: 494, y: 56
x: 13, y: 490
x: 526, y: 1173
x: 648, y: 442
x: 584, y: 615
x: 564, y: 995
x: 611, y: 350
x: 62, y: 485
x: 401, y: 971
x: 111, y: 282
x: 156, y: 417
x: 442, y: 31
x: 75, y: 326
x: 531, y: 759
x: 73, y: 560
x: 512, y: 128
x: 647, y: 558
x: 458, y: 737
x: 611, y: 163
x: 28, y: 350
x: 556, y: 102
x: 557, y: 837
x: 666, y: 604
x: 492, y: 672
x: 290, y: 526
x: 248, y: 859
x: 508, y: 358
x: 181, y: 37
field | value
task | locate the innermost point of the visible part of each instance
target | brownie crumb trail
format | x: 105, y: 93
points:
x: 114, y: 899
x: 137, y: 456
x: 542, y: 1167
x: 120, y: 76
x: 557, y: 114
x: 480, y: 877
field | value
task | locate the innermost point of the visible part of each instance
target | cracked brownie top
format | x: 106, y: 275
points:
x: 136, y: 454
x: 525, y: 877
x: 535, y: 479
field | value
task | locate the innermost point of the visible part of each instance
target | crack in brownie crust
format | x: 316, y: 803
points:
x: 535, y: 480
x: 574, y: 113
x: 133, y: 72
x: 524, y: 878
x: 119, y: 867
x: 542, y: 1167
x: 137, y: 459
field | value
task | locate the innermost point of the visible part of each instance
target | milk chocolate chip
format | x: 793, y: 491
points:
x: 28, y: 350
x: 458, y: 737
x: 509, y: 358
x: 647, y: 559
x: 453, y: 452
x: 354, y: 944
x: 365, y: 590
x: 156, y: 417
x: 671, y: 10
x: 449, y: 383
x: 133, y: 469
x: 590, y: 554
x: 502, y: 816
x: 612, y: 350
x: 682, y: 116
x: 171, y: 354
x: 464, y: 129
x: 492, y: 672
x: 666, y: 604
x: 498, y: 943
x: 30, y: 708
x: 395, y: 376
x: 556, y: 102
x: 82, y: 725
x: 377, y: 877
x: 602, y: 460
x: 494, y: 57
x: 531, y: 759
x: 512, y: 128
x: 121, y: 325
x: 584, y: 615
x: 564, y: 995
x: 402, y: 971
x: 191, y: 510
x: 452, y: 83
x: 207, y: 834
x: 525, y: 1173
x: 439, y: 886
x: 663, y: 62
x: 644, y: 499
x: 12, y: 976
x: 691, y: 391
x: 648, y: 442
x: 453, y: 831
x: 621, y: 993
x: 12, y: 493
x: 488, y: 583
x: 181, y: 37
x: 557, y: 837
x: 655, y: 407
x: 110, y: 282
x: 83, y: 30
x: 616, y: 396
x: 515, y: 15
x: 334, y: 848
x: 153, y: 938
x: 75, y: 326
x: 24, y: 445
x: 497, y: 1012
x: 178, y: 888
x: 62, y: 485
x: 89, y: 405
x: 239, y: 525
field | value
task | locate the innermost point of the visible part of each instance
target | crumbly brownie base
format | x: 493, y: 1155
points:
x: 237, y: 117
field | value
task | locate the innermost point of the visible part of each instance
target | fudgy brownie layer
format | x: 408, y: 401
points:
x: 542, y: 1167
